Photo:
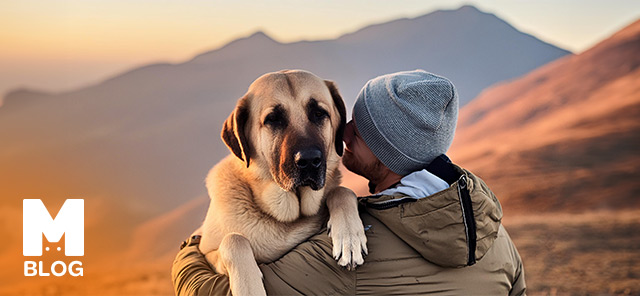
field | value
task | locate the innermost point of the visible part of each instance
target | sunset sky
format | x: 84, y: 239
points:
x: 58, y: 45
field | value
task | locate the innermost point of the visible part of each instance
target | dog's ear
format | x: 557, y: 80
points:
x: 233, y: 131
x: 339, y: 103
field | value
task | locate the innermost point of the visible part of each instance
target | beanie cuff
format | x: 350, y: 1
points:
x: 387, y: 153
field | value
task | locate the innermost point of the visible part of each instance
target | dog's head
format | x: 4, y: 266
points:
x: 288, y: 127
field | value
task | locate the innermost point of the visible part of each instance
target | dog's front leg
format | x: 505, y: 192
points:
x: 345, y: 228
x: 237, y: 258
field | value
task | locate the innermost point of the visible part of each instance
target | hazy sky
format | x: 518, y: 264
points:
x: 57, y: 45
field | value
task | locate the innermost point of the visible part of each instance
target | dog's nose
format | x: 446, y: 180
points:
x: 308, y: 158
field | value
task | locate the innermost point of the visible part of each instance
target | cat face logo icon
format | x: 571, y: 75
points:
x: 37, y: 221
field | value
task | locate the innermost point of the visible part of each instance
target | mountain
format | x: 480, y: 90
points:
x: 564, y: 137
x: 467, y: 45
x: 147, y: 137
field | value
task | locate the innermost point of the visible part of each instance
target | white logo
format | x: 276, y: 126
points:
x: 37, y: 221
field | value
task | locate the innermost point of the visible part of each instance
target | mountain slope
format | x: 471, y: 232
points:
x: 564, y: 137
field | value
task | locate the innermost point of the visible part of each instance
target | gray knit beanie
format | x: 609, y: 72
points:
x: 407, y: 118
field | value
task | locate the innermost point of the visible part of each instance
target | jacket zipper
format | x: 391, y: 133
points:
x: 467, y: 218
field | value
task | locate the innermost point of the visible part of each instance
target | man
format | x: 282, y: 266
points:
x: 432, y: 227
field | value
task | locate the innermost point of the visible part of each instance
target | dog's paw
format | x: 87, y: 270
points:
x: 349, y: 241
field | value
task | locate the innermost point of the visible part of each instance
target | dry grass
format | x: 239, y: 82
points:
x: 580, y: 254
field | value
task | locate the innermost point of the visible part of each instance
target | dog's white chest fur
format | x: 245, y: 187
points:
x: 286, y: 206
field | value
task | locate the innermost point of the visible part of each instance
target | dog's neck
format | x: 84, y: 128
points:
x: 283, y: 205
x: 286, y: 206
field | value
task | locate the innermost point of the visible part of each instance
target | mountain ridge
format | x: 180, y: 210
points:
x: 261, y: 38
x: 562, y: 134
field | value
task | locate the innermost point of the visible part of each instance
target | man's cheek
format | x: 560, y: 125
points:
x: 347, y: 159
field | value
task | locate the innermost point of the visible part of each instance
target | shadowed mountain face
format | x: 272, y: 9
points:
x: 564, y: 137
x: 148, y: 137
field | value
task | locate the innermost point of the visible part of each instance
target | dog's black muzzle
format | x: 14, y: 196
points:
x: 311, y: 166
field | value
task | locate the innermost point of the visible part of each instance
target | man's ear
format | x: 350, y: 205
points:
x: 339, y: 103
x: 233, y: 130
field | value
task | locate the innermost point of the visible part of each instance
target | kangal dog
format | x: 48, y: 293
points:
x: 268, y: 196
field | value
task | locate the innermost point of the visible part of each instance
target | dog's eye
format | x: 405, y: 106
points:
x: 320, y: 114
x: 315, y: 113
x: 274, y: 120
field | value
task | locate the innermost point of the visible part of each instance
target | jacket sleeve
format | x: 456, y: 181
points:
x: 193, y: 276
x: 306, y: 270
x: 519, y: 286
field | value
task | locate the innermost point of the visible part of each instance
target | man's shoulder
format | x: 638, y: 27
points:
x: 505, y: 247
x: 383, y: 243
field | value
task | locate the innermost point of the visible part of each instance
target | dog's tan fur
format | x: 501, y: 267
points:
x: 256, y: 212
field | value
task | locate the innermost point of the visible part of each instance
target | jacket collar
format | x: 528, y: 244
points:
x: 441, y: 167
x: 452, y: 228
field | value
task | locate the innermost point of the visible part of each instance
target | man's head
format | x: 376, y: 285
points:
x: 401, y: 122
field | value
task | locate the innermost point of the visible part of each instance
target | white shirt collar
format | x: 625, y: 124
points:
x: 418, y: 184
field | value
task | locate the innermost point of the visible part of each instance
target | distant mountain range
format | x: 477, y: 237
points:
x: 147, y: 137
x: 565, y: 137
x: 473, y: 48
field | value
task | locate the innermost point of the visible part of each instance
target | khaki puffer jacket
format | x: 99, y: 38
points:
x: 449, y: 243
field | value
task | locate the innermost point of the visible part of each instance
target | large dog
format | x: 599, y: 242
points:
x: 267, y: 197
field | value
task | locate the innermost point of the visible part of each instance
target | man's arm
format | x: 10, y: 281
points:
x: 193, y: 276
x: 519, y: 285
x: 307, y: 269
